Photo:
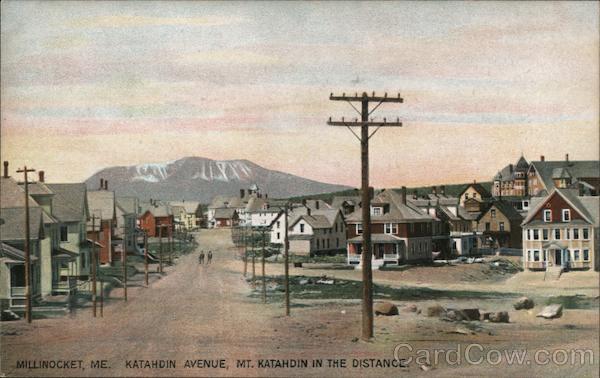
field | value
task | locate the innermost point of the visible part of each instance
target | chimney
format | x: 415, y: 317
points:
x: 542, y: 158
x: 567, y: 158
x: 105, y: 184
x: 404, y: 195
x: 415, y: 194
x: 317, y: 204
x: 5, y: 169
x: 242, y: 193
x: 434, y: 190
x: 443, y: 190
x: 101, y: 183
x: 41, y: 176
x: 474, y: 181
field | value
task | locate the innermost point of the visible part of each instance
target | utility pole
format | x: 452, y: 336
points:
x: 146, y: 258
x: 264, y: 283
x: 27, y: 251
x: 287, y: 262
x: 245, y: 251
x: 101, y: 298
x: 160, y: 251
x: 171, y: 245
x: 94, y: 263
x: 124, y: 259
x: 364, y: 123
x: 253, y: 256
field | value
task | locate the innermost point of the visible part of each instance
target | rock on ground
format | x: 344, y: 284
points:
x: 410, y: 308
x: 435, y: 310
x: 386, y: 308
x: 523, y: 303
x: 499, y: 317
x: 550, y: 312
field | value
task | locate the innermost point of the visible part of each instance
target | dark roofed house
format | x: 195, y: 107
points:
x: 226, y: 217
x: 543, y: 176
x: 314, y: 232
x: 401, y: 232
x: 500, y: 225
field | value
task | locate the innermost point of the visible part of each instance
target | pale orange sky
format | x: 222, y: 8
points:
x: 90, y: 85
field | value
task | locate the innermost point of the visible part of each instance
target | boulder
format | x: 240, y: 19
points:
x: 523, y: 303
x: 385, y: 308
x: 471, y: 313
x: 485, y: 316
x: 410, y: 308
x: 499, y: 317
x: 8, y: 315
x: 550, y: 312
x: 435, y: 310
x: 455, y: 315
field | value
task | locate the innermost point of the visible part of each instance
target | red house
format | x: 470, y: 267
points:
x: 154, y: 216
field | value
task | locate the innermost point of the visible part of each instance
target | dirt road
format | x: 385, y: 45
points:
x: 206, y: 313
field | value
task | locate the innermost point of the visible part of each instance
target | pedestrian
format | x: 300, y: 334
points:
x: 201, y: 257
x: 209, y: 257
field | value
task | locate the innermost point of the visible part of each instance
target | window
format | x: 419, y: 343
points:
x: 337, y: 242
x: 547, y: 215
x: 536, y: 234
x: 528, y: 234
x: 529, y: 255
x: 493, y: 213
x: 278, y: 236
x: 317, y: 243
x: 556, y: 234
x: 545, y: 234
x: 359, y: 229
x: 377, y: 211
x: 566, y: 215
x: 576, y: 255
x: 302, y: 230
x: 391, y: 228
x: 576, y: 234
x: 586, y: 255
x: 501, y: 225
x: 278, y: 223
x: 336, y: 227
x: 487, y: 226
x: 536, y: 255
x: 567, y: 233
x: 64, y: 234
x: 466, y: 195
x: 327, y: 243
x: 586, y: 234
x: 525, y: 205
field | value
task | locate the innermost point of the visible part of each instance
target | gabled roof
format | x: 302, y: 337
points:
x: 398, y: 212
x: 14, y: 228
x: 577, y: 169
x: 70, y: 202
x: 225, y: 213
x: 256, y: 204
x: 12, y: 194
x: 129, y: 205
x: 315, y: 221
x: 587, y: 206
x: 38, y: 188
x: 483, y: 192
x: 101, y: 203
x: 317, y: 204
x: 338, y: 201
x: 505, y: 208
x: 561, y: 173
x: 522, y: 163
x: 190, y: 206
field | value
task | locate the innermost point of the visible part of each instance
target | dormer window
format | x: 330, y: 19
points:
x: 547, y: 215
x: 377, y: 210
x: 566, y: 215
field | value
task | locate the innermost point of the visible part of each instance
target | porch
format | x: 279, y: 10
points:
x: 385, y: 250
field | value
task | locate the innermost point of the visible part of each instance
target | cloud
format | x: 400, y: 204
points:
x: 142, y: 21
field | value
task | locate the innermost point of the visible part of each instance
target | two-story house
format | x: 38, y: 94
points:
x: 400, y: 232
x: 317, y: 232
x: 562, y: 231
x: 103, y: 217
x: 500, y: 225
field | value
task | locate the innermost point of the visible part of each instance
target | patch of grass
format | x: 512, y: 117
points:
x: 574, y: 302
x: 348, y: 289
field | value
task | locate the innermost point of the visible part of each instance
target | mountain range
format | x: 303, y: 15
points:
x: 201, y: 179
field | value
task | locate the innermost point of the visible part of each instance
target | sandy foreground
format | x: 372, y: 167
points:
x: 203, y: 321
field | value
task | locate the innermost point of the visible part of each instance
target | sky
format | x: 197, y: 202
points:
x: 86, y: 85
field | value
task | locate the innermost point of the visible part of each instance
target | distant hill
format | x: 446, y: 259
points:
x: 451, y: 190
x: 201, y: 179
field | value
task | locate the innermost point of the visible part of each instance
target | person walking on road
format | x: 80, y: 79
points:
x: 201, y: 258
x: 209, y: 257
